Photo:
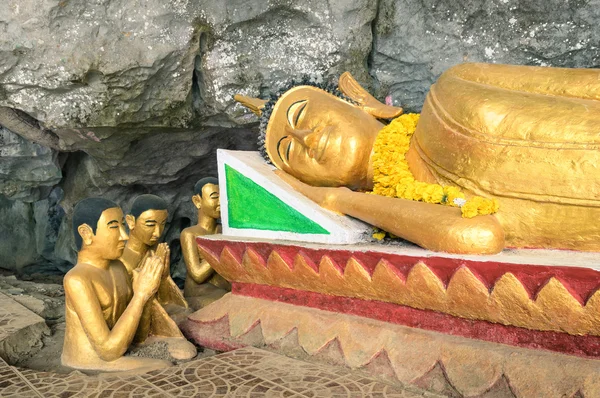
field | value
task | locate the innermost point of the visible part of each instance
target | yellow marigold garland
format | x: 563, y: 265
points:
x: 393, y: 178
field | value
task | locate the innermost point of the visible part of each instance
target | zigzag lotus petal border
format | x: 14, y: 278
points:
x: 472, y: 367
x: 458, y: 288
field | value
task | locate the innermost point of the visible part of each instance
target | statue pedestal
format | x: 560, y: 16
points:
x: 410, y: 310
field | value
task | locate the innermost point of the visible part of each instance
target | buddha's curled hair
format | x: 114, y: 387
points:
x: 272, y: 100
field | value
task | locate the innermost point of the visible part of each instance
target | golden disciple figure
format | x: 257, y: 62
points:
x: 202, y: 284
x: 518, y: 141
x: 146, y: 223
x: 103, y: 309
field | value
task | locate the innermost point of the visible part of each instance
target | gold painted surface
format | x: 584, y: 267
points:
x: 199, y: 272
x: 507, y: 303
x: 526, y: 136
x: 103, y: 308
x: 145, y: 232
x: 472, y: 367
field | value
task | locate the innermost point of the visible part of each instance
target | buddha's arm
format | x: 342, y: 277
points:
x: 431, y: 226
x: 197, y: 268
x: 108, y: 344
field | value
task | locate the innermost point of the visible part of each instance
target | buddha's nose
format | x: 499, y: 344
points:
x: 300, y: 135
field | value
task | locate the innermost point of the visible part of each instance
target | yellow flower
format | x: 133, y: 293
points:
x: 469, y: 209
x: 379, y: 235
x: 393, y: 178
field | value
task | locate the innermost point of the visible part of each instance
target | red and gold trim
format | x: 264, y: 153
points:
x: 545, y: 298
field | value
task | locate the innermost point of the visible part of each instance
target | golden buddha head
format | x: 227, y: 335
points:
x: 147, y: 219
x: 206, y: 197
x: 99, y: 227
x: 322, y: 136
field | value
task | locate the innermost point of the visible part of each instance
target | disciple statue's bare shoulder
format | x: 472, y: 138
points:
x: 102, y: 312
x: 476, y: 172
x: 202, y: 284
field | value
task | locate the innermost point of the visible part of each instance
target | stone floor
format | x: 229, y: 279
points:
x: 247, y: 372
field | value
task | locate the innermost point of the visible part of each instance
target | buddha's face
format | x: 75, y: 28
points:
x: 148, y: 227
x: 209, y: 201
x: 321, y: 139
x: 109, y: 239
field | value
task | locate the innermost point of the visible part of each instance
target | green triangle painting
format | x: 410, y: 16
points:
x: 250, y: 206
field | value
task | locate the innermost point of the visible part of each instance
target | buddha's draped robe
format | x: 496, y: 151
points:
x: 528, y: 136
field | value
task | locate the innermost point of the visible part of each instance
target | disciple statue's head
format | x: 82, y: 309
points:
x: 99, y: 227
x: 147, y: 219
x: 322, y: 136
x: 206, y: 197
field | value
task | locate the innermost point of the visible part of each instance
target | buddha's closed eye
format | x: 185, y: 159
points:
x: 283, y: 148
x: 295, y: 111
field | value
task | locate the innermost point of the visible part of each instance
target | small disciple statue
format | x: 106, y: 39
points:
x: 202, y: 284
x: 103, y: 308
x: 146, y: 223
x: 501, y: 156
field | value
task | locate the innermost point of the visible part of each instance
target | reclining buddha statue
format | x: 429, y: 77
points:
x: 501, y: 156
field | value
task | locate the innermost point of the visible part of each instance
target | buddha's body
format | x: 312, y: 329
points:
x: 527, y: 136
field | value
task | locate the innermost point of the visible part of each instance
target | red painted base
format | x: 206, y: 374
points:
x: 585, y: 346
x: 214, y: 335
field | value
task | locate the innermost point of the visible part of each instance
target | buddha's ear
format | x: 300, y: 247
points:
x: 349, y: 86
x: 130, y: 221
x: 256, y: 105
x: 86, y: 233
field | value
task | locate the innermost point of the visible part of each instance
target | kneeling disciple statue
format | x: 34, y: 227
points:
x: 146, y: 223
x: 103, y: 308
x: 202, y: 284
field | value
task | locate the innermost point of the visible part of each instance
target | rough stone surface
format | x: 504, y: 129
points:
x: 76, y: 64
x: 255, y: 47
x: 21, y: 330
x: 416, y: 40
x: 116, y: 98
x: 17, y: 237
x: 25, y: 167
x: 44, y: 299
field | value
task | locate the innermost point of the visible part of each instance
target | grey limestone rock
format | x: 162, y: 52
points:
x: 166, y: 164
x: 26, y: 169
x: 416, y: 40
x: 73, y: 64
x: 17, y: 235
x: 256, y: 47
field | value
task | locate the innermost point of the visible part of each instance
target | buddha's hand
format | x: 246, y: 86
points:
x: 146, y: 278
x: 326, y: 197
